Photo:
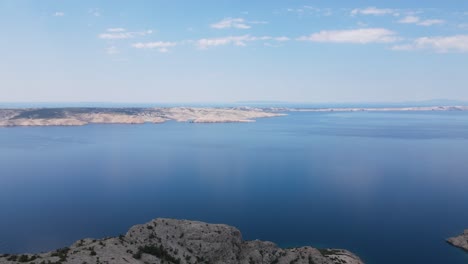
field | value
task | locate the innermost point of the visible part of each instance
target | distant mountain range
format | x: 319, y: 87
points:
x: 252, y: 103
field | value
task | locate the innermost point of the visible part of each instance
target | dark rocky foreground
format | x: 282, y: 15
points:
x: 182, y: 241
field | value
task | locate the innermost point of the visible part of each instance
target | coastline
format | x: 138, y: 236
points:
x: 182, y: 242
x: 460, y: 241
x: 79, y: 116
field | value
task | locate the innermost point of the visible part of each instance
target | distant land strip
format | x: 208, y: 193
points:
x: 78, y: 116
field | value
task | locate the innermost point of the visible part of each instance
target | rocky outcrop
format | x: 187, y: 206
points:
x: 460, y: 241
x: 180, y: 242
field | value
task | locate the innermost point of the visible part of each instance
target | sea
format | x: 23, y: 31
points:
x: 388, y: 186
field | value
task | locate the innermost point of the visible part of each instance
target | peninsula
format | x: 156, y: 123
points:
x: 460, y: 241
x: 78, y: 116
x: 182, y: 242
x: 84, y: 116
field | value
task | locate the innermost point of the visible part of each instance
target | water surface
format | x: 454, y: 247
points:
x: 388, y: 186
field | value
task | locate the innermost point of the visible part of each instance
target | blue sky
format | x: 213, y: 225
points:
x: 227, y: 51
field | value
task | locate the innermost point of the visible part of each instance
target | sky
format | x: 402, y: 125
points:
x: 169, y: 51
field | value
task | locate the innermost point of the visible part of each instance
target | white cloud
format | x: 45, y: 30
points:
x: 416, y: 20
x: 235, y: 40
x: 257, y: 22
x: 327, y: 12
x: 372, y: 11
x: 161, y: 46
x: 211, y: 42
x: 456, y: 43
x: 431, y: 22
x: 318, y: 11
x: 362, y: 24
x: 403, y: 47
x: 112, y: 50
x: 239, y: 23
x: 282, y: 39
x: 409, y: 20
x: 120, y: 33
x: 267, y: 44
x: 116, y: 29
x: 94, y: 11
x: 59, y: 14
x: 356, y: 36
x: 311, y: 10
x: 295, y: 10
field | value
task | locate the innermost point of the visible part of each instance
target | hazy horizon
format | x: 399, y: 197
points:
x: 431, y: 102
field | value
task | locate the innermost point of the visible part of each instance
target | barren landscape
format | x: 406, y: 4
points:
x: 79, y: 116
x: 182, y: 241
x: 84, y: 116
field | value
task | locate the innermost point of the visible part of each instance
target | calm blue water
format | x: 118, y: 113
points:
x: 388, y: 186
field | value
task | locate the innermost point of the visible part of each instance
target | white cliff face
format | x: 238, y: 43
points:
x: 460, y: 241
x: 181, y: 242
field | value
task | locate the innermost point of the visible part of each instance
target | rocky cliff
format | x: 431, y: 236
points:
x: 181, y: 241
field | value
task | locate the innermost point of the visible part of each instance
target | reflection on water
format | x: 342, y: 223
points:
x: 389, y: 186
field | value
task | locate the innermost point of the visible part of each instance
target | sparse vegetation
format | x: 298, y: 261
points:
x: 328, y: 252
x: 26, y: 258
x: 157, y: 251
x: 12, y: 258
x: 61, y: 253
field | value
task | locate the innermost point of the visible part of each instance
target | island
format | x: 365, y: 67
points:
x: 78, y: 116
x: 174, y: 241
x: 460, y: 241
x: 83, y: 116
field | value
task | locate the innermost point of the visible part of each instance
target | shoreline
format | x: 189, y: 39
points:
x: 182, y: 242
x: 80, y: 116
x: 460, y: 241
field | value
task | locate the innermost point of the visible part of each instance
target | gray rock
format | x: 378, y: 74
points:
x: 182, y: 241
x: 460, y: 241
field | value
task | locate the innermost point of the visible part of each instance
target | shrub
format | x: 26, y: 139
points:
x: 157, y: 251
x: 61, y: 253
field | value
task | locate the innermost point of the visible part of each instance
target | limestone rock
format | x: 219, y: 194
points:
x: 182, y: 242
x: 460, y: 241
